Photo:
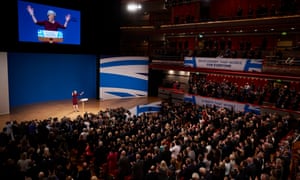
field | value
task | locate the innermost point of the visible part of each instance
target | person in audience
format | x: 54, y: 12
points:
x: 85, y: 172
x: 152, y: 173
x: 137, y: 168
x: 124, y: 167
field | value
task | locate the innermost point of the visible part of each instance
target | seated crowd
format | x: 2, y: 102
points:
x: 183, y: 141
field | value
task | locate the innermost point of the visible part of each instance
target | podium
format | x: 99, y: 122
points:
x: 83, y: 101
x: 50, y: 36
x: 50, y: 40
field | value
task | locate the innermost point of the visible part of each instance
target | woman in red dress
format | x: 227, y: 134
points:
x: 75, y: 100
x: 112, y: 162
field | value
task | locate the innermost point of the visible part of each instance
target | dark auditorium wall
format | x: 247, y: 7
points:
x: 101, y: 26
x: 233, y: 5
x: 41, y: 77
x: 155, y: 81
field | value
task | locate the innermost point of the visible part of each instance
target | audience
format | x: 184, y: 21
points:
x: 280, y: 95
x: 219, y: 145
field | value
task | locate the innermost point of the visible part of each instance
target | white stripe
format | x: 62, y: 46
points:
x: 131, y: 71
x: 122, y: 58
x: 104, y: 92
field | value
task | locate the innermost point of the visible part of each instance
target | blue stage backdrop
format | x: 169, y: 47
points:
x: 35, y: 77
x: 123, y: 77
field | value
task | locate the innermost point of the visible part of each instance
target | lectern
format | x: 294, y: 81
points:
x: 83, y: 100
x: 50, y: 36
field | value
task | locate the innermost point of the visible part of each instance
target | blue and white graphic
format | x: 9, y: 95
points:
x: 50, y: 34
x: 232, y: 64
x: 218, y: 103
x: 251, y: 108
x: 253, y: 65
x: 189, y: 98
x: 190, y: 61
x: 123, y: 77
x: 146, y: 108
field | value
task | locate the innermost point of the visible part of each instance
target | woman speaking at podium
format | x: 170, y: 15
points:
x: 75, y: 96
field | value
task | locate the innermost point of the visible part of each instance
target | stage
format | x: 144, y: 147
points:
x: 64, y: 108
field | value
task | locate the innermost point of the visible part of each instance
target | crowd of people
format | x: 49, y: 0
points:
x: 209, y: 47
x: 280, y: 95
x: 183, y: 141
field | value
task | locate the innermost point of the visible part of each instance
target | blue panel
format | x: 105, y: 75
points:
x: 108, y: 80
x: 120, y: 94
x: 47, y: 77
x: 257, y: 64
x: 145, y: 109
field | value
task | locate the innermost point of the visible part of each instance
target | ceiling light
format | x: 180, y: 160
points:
x: 132, y: 7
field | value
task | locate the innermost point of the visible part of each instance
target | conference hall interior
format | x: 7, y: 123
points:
x: 150, y: 89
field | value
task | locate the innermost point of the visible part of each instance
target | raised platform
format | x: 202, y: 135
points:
x: 59, y: 109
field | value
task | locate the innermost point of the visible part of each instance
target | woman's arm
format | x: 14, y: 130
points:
x: 31, y: 12
x: 68, y: 17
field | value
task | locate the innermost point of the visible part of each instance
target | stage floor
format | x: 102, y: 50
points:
x: 59, y: 109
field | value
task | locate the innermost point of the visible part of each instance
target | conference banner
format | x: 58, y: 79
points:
x: 146, y: 108
x: 123, y: 77
x: 232, y: 64
x: 220, y: 103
